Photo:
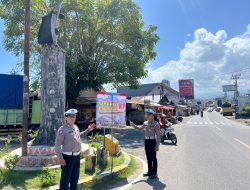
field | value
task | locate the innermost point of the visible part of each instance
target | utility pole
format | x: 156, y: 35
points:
x: 161, y: 92
x: 235, y: 77
x: 26, y: 77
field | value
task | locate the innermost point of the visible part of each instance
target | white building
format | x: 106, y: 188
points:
x: 153, y: 92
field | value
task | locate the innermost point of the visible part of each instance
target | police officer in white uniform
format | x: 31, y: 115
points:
x: 152, y: 141
x: 68, y: 149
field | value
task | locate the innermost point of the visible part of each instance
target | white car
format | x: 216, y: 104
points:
x: 210, y: 109
x: 219, y: 109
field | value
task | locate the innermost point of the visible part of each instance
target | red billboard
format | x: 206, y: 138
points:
x: 186, y: 88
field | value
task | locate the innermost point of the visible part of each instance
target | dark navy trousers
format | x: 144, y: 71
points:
x: 150, y: 145
x: 70, y: 172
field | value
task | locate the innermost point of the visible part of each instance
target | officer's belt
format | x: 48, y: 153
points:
x: 149, y: 137
x: 71, y: 153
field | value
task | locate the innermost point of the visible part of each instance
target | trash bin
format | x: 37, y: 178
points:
x: 112, y: 145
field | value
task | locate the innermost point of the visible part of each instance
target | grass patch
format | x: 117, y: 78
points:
x: 117, y: 160
x: 22, y: 179
x: 95, y: 144
x: 106, y: 183
x: 10, y: 179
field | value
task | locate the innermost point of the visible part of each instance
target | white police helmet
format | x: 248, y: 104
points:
x: 150, y: 111
x: 71, y: 112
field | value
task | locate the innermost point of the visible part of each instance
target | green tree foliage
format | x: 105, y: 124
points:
x: 106, y: 40
x: 11, y: 161
x: 246, y: 108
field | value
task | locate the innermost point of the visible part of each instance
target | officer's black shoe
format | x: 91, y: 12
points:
x: 146, y: 174
x: 153, y: 176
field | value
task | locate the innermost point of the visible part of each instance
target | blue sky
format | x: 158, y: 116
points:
x: 199, y: 39
x: 7, y: 59
x: 178, y: 19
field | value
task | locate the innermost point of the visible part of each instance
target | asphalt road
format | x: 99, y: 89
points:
x: 213, y: 153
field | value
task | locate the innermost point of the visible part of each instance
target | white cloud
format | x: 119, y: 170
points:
x: 209, y: 59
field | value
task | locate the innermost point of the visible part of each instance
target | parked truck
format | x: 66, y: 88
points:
x: 227, y: 109
x: 11, y: 103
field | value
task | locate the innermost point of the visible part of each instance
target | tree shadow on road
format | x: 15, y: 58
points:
x: 156, y: 184
x: 168, y: 143
x: 130, y: 138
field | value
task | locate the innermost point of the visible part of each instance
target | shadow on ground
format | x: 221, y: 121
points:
x: 14, y: 144
x: 156, y: 184
x: 130, y: 138
x: 168, y: 143
x: 117, y: 185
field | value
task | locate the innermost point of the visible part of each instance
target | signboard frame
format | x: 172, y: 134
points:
x: 110, y: 110
x: 228, y: 88
x: 186, y: 89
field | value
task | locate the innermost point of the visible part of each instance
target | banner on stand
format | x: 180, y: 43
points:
x: 110, y: 110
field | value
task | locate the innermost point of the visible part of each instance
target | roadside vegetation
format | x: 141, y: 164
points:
x: 44, y: 178
x: 109, y: 182
x: 6, y: 148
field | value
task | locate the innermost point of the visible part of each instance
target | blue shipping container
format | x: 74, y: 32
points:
x: 11, y: 91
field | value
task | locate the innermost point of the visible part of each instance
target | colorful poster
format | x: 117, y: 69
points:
x: 110, y: 110
x: 186, y: 88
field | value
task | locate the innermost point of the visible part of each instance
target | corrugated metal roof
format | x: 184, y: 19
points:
x: 140, y: 91
x: 143, y: 89
x: 136, y: 100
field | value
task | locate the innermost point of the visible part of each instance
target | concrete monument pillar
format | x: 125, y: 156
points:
x: 52, y: 94
x: 42, y: 151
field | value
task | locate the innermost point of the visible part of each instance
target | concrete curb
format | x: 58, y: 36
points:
x: 95, y: 179
x: 144, y: 165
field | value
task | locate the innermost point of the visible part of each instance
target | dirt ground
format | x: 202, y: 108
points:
x: 13, y: 145
x: 245, y: 120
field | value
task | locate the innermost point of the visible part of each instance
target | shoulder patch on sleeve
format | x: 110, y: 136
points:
x: 60, y: 131
x: 76, y: 127
x: 157, y: 125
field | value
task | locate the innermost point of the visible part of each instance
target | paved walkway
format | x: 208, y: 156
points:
x: 132, y: 141
x: 212, y: 154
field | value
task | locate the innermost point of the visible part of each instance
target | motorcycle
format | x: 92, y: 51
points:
x: 179, y: 118
x: 169, y: 134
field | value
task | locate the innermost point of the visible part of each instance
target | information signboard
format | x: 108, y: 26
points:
x: 228, y: 88
x: 186, y: 88
x: 110, y: 110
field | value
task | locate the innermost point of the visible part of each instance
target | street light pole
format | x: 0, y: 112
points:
x: 236, y: 94
x: 26, y: 77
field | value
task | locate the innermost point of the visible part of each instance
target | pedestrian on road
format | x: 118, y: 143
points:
x: 68, y: 149
x: 152, y: 142
x: 201, y: 112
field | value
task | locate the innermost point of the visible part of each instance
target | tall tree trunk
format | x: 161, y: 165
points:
x: 52, y: 94
x: 26, y: 78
